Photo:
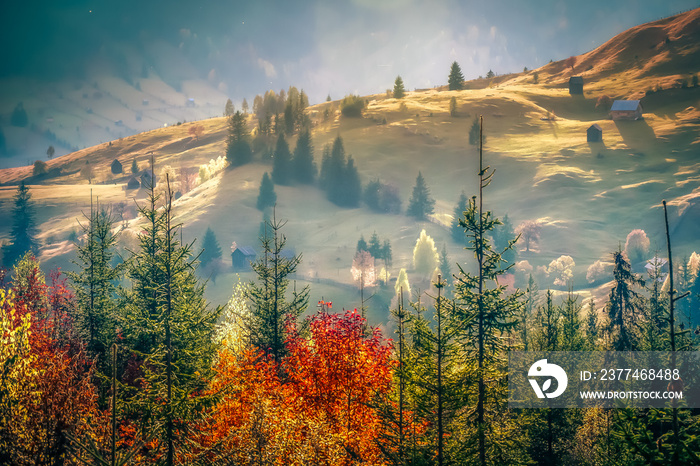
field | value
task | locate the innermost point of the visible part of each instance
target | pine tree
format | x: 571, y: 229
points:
x: 445, y: 268
x: 488, y: 314
x: 351, y: 185
x: 23, y: 233
x: 238, y: 151
x: 303, y: 162
x: 229, y: 109
x: 211, y: 250
x: 281, y: 164
x: 244, y: 106
x: 572, y: 335
x: 453, y: 107
x: 456, y: 79
x: 94, y: 284
x: 272, y: 311
x: 421, y: 204
x: 624, y: 304
x: 399, y: 91
x: 267, y: 196
x: 591, y: 326
x: 455, y: 229
x: 375, y: 247
x: 361, y: 244
x: 134, y: 167
x: 169, y: 329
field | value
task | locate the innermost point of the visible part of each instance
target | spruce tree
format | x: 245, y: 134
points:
x: 168, y: 331
x: 375, y: 247
x: 592, y: 329
x: 238, y: 151
x: 399, y: 91
x: 303, y: 162
x: 502, y: 235
x: 267, y: 196
x: 421, y: 204
x: 624, y: 304
x: 488, y: 314
x: 362, y: 244
x: 23, y: 233
x: 445, y: 268
x: 456, y: 79
x: 95, y: 284
x: 351, y: 185
x: 474, y: 133
x: 281, y: 164
x: 272, y: 309
x: 229, y: 109
x: 211, y: 250
x: 244, y: 106
x: 455, y: 229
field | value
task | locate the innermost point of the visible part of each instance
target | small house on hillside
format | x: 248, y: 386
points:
x: 626, y: 110
x: 576, y: 85
x: 241, y: 256
x: 133, y: 184
x: 594, y: 133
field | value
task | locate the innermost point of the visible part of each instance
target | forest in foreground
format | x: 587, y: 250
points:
x: 126, y: 362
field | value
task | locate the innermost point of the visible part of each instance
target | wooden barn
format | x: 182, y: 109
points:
x: 576, y: 85
x: 594, y: 133
x: 241, y: 256
x: 626, y: 110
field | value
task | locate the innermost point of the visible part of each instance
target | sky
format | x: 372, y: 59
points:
x: 324, y: 47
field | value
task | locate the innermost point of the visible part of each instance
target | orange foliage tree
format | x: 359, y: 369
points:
x: 316, y: 407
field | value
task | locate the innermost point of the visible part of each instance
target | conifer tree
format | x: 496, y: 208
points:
x: 229, y: 109
x: 502, y: 235
x: 134, y: 167
x: 303, y: 162
x: 455, y: 229
x: 272, y: 310
x: 169, y: 329
x: 244, y: 106
x: 350, y: 186
x: 23, y: 233
x: 267, y: 196
x: 624, y: 304
x: 421, y: 204
x: 591, y: 325
x: 455, y: 80
x: 211, y: 250
x: 425, y: 255
x: 362, y: 244
x: 474, y: 133
x: 94, y: 284
x: 445, y: 268
x: 572, y: 335
x: 487, y: 314
x: 399, y: 91
x: 238, y: 151
x: 281, y: 173
x: 375, y: 247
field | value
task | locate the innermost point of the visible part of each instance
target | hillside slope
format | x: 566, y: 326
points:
x: 587, y: 196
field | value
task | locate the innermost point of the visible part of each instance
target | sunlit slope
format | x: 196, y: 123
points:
x: 587, y: 196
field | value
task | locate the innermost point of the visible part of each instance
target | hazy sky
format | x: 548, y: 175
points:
x: 322, y: 46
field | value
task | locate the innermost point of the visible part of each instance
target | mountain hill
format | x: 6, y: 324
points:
x: 586, y: 196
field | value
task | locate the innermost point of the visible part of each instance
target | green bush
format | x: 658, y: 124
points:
x: 352, y: 106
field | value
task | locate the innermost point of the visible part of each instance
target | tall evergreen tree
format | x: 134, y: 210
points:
x: 211, y: 250
x: 244, y: 106
x: 169, y: 330
x: 399, y: 91
x: 488, y: 314
x: 351, y: 185
x: 502, y: 235
x: 267, y: 196
x: 303, y: 162
x: 445, y: 267
x: 281, y: 164
x: 94, y: 284
x: 23, y: 233
x: 624, y: 304
x: 474, y: 131
x: 456, y: 79
x: 272, y: 309
x: 421, y: 204
x: 591, y: 323
x: 375, y: 247
x: 572, y: 335
x: 238, y: 151
x: 455, y: 229
x: 362, y: 244
x: 229, y: 109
